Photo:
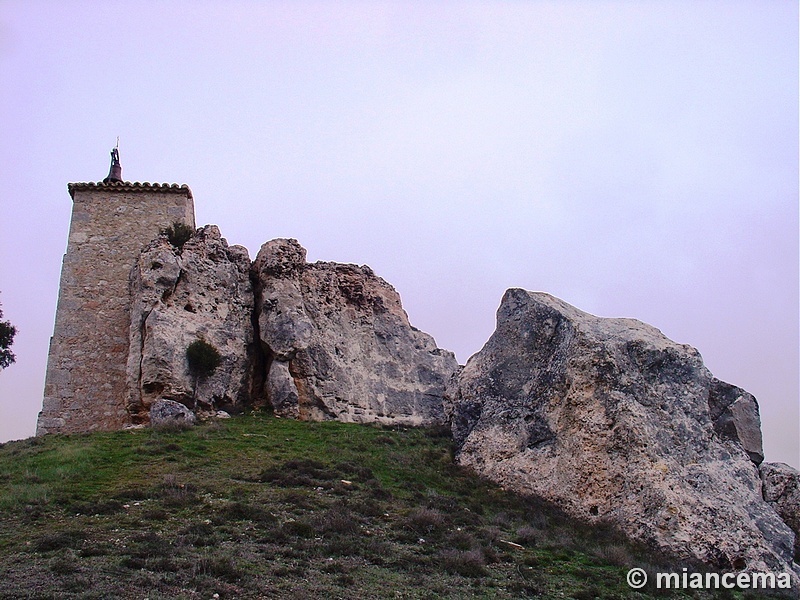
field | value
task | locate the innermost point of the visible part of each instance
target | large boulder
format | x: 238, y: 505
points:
x: 179, y: 295
x: 616, y: 423
x: 339, y: 345
x: 782, y: 491
x: 166, y: 414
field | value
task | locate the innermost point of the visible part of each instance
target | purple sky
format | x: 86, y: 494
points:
x: 637, y: 159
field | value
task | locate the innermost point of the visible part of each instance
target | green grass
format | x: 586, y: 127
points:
x: 260, y: 507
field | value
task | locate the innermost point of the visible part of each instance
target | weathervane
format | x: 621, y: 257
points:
x: 115, y: 173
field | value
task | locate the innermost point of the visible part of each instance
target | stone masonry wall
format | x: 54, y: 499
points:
x: 85, y: 384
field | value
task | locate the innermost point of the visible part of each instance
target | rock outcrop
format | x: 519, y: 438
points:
x: 616, y: 423
x: 736, y: 417
x: 339, y: 345
x: 201, y: 291
x: 782, y: 491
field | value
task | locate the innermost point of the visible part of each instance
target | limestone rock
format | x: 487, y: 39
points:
x: 782, y: 491
x: 615, y: 422
x: 168, y: 413
x: 202, y: 291
x: 736, y: 417
x: 339, y: 345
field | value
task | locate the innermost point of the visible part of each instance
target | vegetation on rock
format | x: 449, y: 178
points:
x: 203, y: 358
x: 178, y: 234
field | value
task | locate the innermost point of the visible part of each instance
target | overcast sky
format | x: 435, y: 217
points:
x: 636, y: 159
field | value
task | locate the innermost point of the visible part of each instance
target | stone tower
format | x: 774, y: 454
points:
x: 85, y: 386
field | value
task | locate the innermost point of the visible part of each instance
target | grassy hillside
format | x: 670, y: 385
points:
x: 259, y: 507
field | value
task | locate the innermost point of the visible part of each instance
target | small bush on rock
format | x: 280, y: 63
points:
x: 203, y: 358
x: 178, y: 234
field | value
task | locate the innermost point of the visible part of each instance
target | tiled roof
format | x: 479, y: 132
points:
x: 127, y: 186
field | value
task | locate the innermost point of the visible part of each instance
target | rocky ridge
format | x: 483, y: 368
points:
x: 606, y: 417
x: 616, y: 423
x: 315, y: 341
x: 339, y: 345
